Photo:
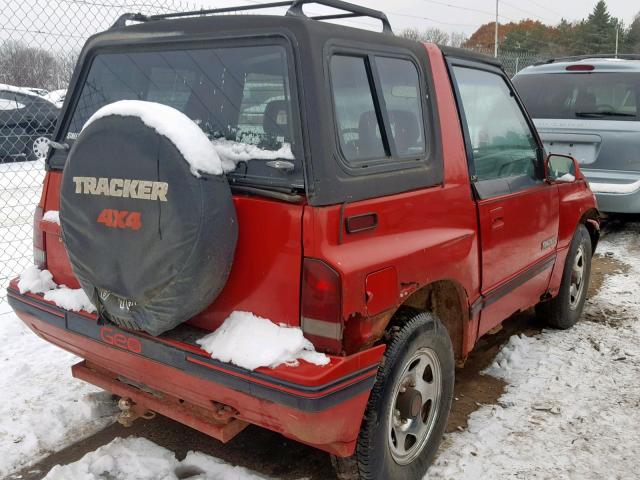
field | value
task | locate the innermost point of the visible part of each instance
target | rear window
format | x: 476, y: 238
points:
x: 239, y: 96
x: 610, y: 96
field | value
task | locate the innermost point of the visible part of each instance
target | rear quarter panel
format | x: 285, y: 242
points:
x: 426, y: 235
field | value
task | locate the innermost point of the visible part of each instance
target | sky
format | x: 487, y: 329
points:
x: 467, y: 15
x: 63, y: 25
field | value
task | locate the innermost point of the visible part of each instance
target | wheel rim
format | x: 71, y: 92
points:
x: 40, y: 147
x: 576, y: 285
x: 416, y: 401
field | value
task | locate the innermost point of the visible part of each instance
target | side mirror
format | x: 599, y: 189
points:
x: 561, y: 169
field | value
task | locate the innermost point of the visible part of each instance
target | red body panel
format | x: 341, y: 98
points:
x: 575, y: 201
x: 426, y: 235
x: 518, y: 231
x: 419, y: 237
x: 513, y: 224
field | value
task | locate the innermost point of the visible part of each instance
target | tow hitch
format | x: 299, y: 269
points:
x: 131, y: 411
x: 139, y: 401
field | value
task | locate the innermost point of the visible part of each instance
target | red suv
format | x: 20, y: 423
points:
x: 392, y: 200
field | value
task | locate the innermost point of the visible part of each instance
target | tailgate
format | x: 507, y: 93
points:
x: 596, y: 144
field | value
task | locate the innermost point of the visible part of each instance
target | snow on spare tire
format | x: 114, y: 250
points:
x: 147, y: 216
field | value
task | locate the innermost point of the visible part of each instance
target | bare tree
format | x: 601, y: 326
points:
x: 457, y: 39
x: 428, y: 35
x: 26, y: 66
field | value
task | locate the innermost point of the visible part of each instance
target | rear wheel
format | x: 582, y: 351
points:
x: 565, y: 309
x: 408, y: 407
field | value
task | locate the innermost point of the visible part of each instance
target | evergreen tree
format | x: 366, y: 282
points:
x: 597, y: 34
x: 632, y: 37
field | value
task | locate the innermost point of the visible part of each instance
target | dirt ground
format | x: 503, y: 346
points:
x: 271, y: 454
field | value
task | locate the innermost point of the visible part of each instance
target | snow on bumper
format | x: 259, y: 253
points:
x: 320, y: 406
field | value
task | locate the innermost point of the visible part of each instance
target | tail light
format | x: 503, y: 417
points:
x: 321, y: 306
x: 580, y: 67
x: 39, y: 256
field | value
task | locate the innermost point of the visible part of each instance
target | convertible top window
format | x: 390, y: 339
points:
x: 239, y: 96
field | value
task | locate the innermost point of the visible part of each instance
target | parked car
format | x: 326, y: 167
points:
x: 394, y: 203
x: 26, y: 124
x: 56, y: 97
x: 589, y: 108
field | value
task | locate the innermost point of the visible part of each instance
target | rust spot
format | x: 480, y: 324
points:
x: 362, y: 332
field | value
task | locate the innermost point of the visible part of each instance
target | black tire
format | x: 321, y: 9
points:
x: 374, y: 458
x: 564, y: 310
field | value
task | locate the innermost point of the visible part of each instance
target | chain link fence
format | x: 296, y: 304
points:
x: 512, y: 61
x: 39, y: 44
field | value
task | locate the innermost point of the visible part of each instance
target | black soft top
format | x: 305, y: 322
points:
x: 469, y: 55
x: 327, y: 180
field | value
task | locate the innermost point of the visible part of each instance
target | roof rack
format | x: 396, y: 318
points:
x: 295, y: 9
x: 622, y: 56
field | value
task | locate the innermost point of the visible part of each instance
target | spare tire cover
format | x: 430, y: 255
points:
x: 150, y: 243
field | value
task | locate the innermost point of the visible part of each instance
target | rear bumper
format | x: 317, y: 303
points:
x: 319, y: 406
x: 616, y: 191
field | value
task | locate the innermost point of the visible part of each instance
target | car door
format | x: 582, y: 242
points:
x: 517, y: 209
x: 11, y: 129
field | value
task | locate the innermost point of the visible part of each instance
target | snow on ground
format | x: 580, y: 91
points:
x: 572, y: 406
x: 140, y: 459
x: 20, y: 186
x: 43, y: 408
x: 249, y: 341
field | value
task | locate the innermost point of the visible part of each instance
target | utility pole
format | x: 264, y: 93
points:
x: 617, y: 32
x: 495, y: 43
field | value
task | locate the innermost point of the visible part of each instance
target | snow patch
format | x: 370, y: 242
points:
x: 52, y: 216
x: 141, y: 459
x: 251, y: 342
x: 179, y: 129
x: 73, y: 299
x: 23, y: 90
x: 614, y: 187
x: 566, y: 178
x: 232, y: 153
x: 35, y: 280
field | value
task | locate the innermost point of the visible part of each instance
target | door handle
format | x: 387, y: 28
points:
x: 497, y: 218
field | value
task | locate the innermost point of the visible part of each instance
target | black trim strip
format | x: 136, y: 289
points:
x: 307, y: 398
x: 500, y: 291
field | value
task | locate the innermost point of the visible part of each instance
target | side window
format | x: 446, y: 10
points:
x: 504, y: 148
x: 401, y: 90
x: 358, y: 127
